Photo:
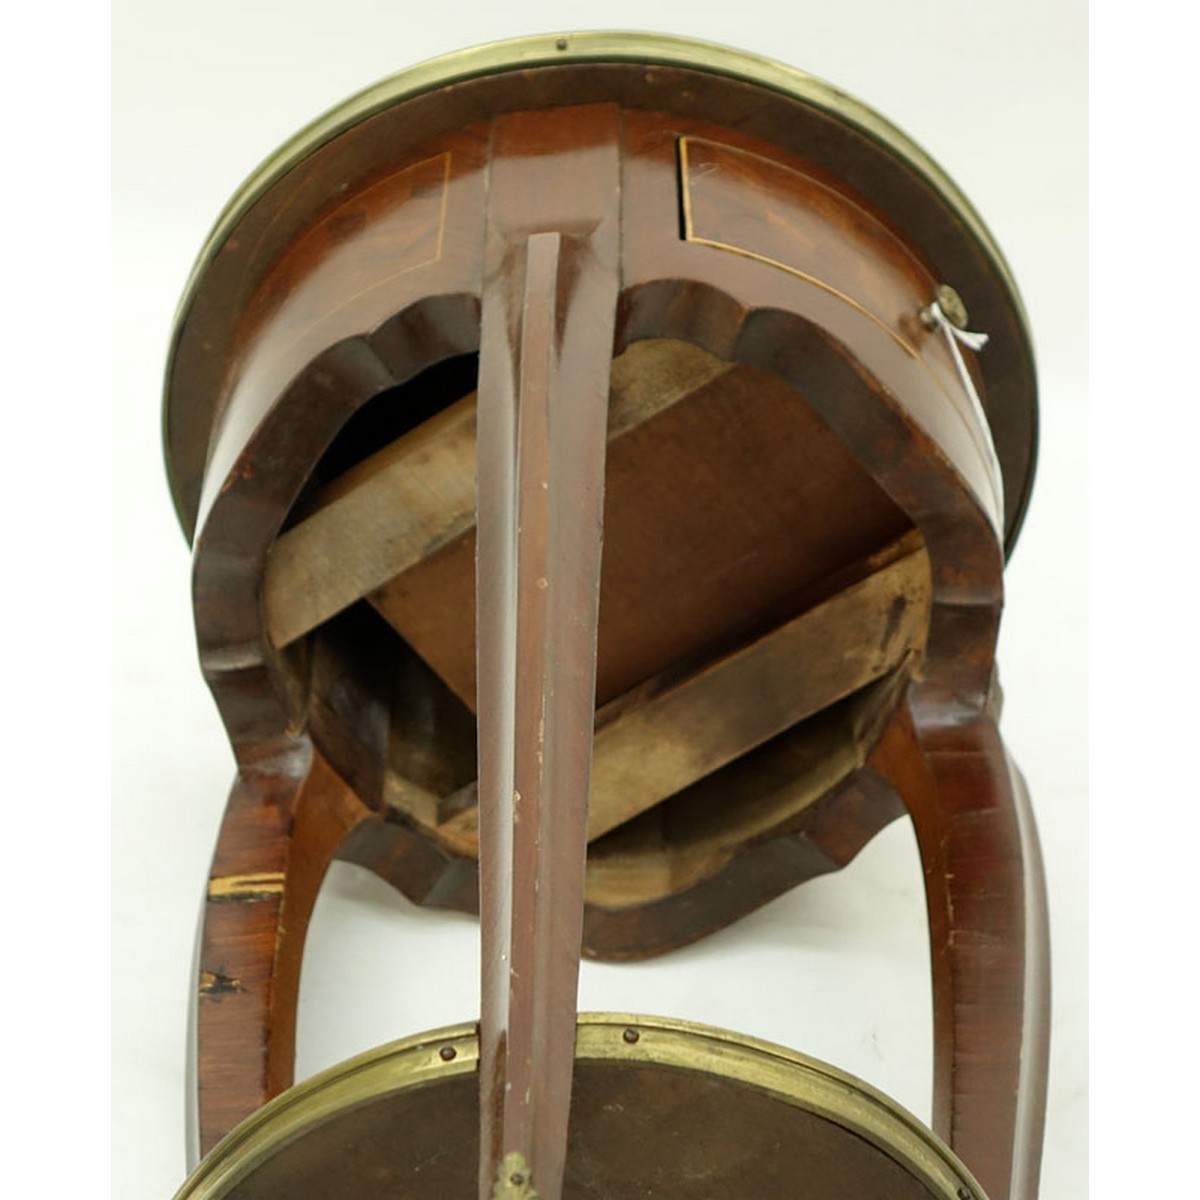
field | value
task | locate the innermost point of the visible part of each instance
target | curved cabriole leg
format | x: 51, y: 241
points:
x: 549, y: 307
x: 989, y: 940
x: 282, y: 826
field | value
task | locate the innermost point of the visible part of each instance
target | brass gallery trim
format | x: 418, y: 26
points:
x: 787, y: 1075
x: 584, y: 47
x: 594, y: 46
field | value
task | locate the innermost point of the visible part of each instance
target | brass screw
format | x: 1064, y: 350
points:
x: 951, y: 304
x: 513, y: 1179
x: 631, y: 1036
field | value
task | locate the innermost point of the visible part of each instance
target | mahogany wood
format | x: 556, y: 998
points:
x: 549, y: 303
x: 670, y: 210
x: 989, y: 937
x: 285, y: 820
x: 769, y: 122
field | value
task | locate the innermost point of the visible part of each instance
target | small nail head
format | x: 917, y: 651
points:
x: 561, y: 44
x: 964, y: 1193
x: 631, y: 1036
x: 447, y: 1053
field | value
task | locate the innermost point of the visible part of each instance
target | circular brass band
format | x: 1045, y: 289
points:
x: 518, y: 53
x: 782, y: 1075
x: 398, y: 1065
x: 497, y: 58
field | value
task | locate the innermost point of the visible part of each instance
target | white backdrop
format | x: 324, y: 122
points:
x: 838, y: 969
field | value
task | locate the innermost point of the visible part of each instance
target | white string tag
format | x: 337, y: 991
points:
x: 935, y: 318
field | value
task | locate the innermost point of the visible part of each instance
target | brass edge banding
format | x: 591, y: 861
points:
x: 595, y: 46
x: 784, y: 1074
x: 406, y: 1063
x: 583, y: 47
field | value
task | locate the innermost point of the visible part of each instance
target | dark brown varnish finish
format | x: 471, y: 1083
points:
x: 721, y: 291
x: 284, y: 820
x: 549, y: 303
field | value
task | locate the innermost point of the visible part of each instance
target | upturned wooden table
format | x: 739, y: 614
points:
x: 600, y: 498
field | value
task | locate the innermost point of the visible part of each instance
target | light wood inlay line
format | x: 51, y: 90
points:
x: 691, y: 235
x: 245, y: 887
x: 975, y: 433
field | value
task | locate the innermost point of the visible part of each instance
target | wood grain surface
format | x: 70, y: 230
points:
x: 549, y: 306
x: 706, y: 344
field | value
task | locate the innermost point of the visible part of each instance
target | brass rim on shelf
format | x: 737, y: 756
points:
x: 595, y: 47
x: 609, y: 1038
